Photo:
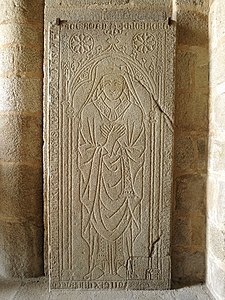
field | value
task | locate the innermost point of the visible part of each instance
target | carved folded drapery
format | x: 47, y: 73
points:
x: 110, y: 140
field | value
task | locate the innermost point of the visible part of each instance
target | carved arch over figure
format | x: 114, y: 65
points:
x: 135, y: 70
x: 111, y: 176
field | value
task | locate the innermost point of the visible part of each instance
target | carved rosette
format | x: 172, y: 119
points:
x: 81, y: 43
x: 144, y: 42
x: 140, y: 57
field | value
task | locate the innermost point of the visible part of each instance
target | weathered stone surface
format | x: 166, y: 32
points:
x: 216, y: 154
x: 21, y: 95
x: 21, y: 60
x: 186, y: 197
x: 21, y: 249
x: 21, y: 10
x: 189, y: 230
x: 191, y: 135
x: 190, y: 265
x: 216, y: 183
x: 38, y: 289
x: 96, y: 13
x: 216, y: 279
x: 88, y: 3
x: 202, y: 153
x: 217, y: 24
x: 218, y: 64
x: 21, y: 192
x: 14, y: 34
x: 202, y: 77
x: 192, y: 109
x: 218, y: 114
x: 216, y: 242
x: 9, y: 288
x: 192, y: 92
x: 192, y: 28
x: 184, y: 152
x: 114, y: 124
x: 184, y: 73
x: 216, y: 205
x: 181, y: 230
x: 20, y: 138
x: 201, y: 6
x: 35, y: 289
x: 198, y: 232
x: 21, y: 53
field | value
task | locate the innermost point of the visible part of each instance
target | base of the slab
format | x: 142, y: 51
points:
x: 112, y: 285
x: 36, y: 289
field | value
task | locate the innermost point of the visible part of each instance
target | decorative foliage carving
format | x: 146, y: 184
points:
x: 110, y: 154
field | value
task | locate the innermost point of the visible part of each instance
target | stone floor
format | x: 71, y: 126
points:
x: 37, y: 289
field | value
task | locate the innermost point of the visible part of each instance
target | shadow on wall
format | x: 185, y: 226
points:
x: 191, y: 147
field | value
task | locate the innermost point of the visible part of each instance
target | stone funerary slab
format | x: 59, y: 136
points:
x: 109, y: 153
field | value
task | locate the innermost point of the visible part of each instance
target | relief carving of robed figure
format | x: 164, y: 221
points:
x: 111, y: 162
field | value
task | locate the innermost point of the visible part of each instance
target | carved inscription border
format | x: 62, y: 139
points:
x: 109, y: 121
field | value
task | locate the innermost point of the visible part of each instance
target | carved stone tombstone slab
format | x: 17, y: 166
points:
x: 109, y: 154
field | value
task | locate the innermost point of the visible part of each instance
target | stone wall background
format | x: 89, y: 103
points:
x: 21, y: 230
x: 89, y: 9
x: 191, y: 128
x: 191, y: 142
x: 216, y: 178
x: 21, y: 56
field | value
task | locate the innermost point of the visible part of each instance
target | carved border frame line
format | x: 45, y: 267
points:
x: 52, y: 165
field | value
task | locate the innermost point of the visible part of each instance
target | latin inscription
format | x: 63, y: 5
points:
x: 111, y: 91
x: 118, y: 26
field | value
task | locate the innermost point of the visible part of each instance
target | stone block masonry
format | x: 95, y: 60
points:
x: 216, y: 178
x: 21, y: 56
x: 21, y: 44
x: 191, y: 132
x: 191, y: 142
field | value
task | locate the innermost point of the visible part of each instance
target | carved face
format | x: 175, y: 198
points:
x: 113, y: 86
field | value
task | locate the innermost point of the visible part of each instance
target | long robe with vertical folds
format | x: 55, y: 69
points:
x: 111, y: 184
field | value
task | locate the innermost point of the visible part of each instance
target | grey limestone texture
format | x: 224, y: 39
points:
x: 109, y: 145
x: 37, y: 289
